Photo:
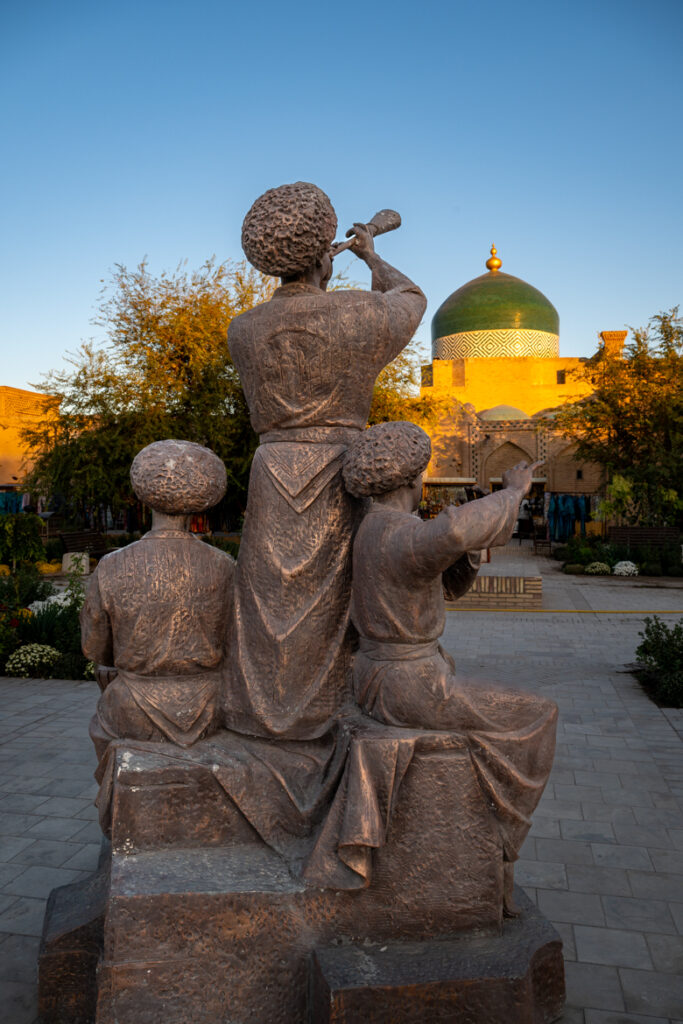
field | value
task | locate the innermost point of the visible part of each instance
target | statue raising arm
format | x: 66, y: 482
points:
x: 485, y: 523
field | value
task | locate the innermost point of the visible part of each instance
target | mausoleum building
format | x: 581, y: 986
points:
x: 496, y: 354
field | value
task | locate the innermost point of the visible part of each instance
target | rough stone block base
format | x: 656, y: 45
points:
x: 230, y: 937
x: 223, y: 930
x: 514, y: 978
x: 71, y: 947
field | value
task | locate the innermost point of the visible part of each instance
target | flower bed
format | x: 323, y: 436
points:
x: 33, y: 661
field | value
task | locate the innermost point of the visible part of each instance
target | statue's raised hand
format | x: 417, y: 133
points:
x: 363, y: 244
x: 519, y: 477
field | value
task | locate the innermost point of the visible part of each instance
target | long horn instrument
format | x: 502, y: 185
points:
x: 385, y: 220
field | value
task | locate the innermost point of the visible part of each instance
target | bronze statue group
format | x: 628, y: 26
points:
x: 329, y: 622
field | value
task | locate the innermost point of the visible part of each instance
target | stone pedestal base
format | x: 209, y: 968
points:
x: 513, y: 978
x: 71, y: 948
x: 248, y: 956
x: 223, y: 930
x: 227, y: 935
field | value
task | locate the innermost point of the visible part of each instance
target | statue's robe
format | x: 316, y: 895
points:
x: 402, y: 676
x: 156, y: 610
x: 308, y: 361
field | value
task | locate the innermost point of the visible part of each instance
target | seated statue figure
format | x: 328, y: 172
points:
x: 401, y: 675
x: 156, y: 610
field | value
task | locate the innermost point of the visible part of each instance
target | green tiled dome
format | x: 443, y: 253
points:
x: 495, y: 301
x: 503, y: 412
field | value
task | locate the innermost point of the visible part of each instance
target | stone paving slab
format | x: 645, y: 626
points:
x: 603, y: 856
x: 46, y: 793
x: 604, y: 859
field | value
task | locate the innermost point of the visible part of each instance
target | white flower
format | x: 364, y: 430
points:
x: 625, y: 569
x: 61, y: 598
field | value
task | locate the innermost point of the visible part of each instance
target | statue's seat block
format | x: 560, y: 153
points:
x: 171, y: 798
x: 440, y: 835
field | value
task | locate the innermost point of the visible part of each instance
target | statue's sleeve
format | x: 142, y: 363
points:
x: 485, y: 523
x: 459, y: 576
x: 96, y: 636
x: 390, y: 313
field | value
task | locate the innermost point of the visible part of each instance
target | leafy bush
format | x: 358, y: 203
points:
x: 53, y: 550
x: 51, y: 624
x: 598, y: 569
x: 57, y: 625
x: 661, y: 657
x: 665, y: 558
x: 584, y: 550
x: 604, y: 552
x: 33, y: 661
x: 24, y: 587
x: 573, y: 569
x: 20, y: 539
x: 72, y: 665
x: 670, y: 558
x: 9, y: 637
x: 580, y: 554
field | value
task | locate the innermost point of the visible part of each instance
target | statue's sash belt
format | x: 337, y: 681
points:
x: 181, y: 706
x: 301, y: 468
x: 196, y: 679
x: 312, y: 435
x: 377, y: 650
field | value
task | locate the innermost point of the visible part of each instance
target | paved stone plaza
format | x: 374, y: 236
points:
x: 604, y: 860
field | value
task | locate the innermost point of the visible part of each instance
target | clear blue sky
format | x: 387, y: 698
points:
x: 148, y: 128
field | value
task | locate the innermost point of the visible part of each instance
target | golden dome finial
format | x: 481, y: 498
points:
x: 494, y: 263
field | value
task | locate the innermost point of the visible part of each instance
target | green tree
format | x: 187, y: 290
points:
x: 164, y: 371
x: 20, y: 547
x: 632, y: 423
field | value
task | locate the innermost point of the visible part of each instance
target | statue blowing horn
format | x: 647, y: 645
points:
x: 385, y: 220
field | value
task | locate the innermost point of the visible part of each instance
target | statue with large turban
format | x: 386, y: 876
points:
x: 308, y: 360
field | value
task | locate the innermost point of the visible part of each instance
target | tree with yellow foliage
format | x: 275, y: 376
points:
x: 165, y: 371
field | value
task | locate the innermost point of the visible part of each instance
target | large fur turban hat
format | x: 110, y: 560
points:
x: 178, y: 477
x: 386, y: 457
x: 288, y: 229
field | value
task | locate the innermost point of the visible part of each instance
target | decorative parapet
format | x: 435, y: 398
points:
x: 497, y: 344
x: 501, y: 592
